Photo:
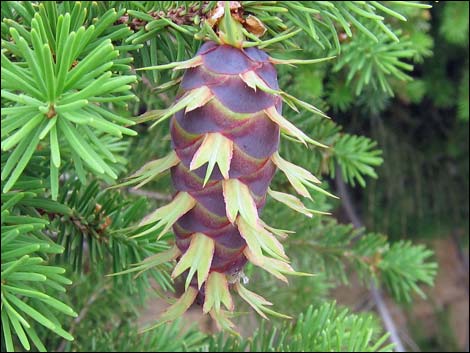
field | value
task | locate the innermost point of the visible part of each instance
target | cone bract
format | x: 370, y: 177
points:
x: 225, y: 133
x: 236, y: 112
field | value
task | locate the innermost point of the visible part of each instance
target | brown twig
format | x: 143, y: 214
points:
x: 180, y: 15
x: 382, y: 308
x: 151, y: 194
x: 463, y: 260
x: 81, y: 315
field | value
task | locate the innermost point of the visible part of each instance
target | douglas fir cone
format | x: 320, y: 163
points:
x: 225, y: 131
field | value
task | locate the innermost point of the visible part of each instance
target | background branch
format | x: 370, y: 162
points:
x: 375, y: 292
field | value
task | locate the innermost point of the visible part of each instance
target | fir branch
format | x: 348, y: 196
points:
x: 375, y: 64
x: 381, y: 307
x: 320, y: 329
x: 357, y: 156
x: 150, y: 194
x: 30, y: 284
x: 56, y: 81
x: 96, y: 227
x: 81, y: 315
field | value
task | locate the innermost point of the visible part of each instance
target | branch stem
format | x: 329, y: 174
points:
x: 382, y: 308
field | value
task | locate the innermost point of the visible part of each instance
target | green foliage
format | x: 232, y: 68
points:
x: 77, y: 233
x: 125, y: 337
x: 404, y: 265
x: 340, y: 95
x: 56, y: 77
x: 416, y: 90
x: 357, y: 156
x: 325, y: 247
x: 30, y: 283
x: 375, y: 61
x: 316, y: 19
x: 454, y: 25
x: 93, y: 231
x: 109, y: 321
x: 464, y: 98
x: 323, y: 329
x: 424, y: 136
x: 422, y: 44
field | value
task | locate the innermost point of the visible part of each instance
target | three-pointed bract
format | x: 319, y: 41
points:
x: 225, y: 130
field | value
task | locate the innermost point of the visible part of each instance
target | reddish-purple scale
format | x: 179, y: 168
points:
x: 237, y: 112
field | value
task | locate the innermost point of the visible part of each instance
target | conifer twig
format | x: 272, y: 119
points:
x: 463, y: 260
x: 375, y: 292
x: 150, y: 194
x: 82, y: 314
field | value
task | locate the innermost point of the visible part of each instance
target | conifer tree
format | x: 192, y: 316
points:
x: 140, y: 143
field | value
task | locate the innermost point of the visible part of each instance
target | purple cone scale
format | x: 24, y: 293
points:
x: 255, y: 138
x: 225, y: 131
